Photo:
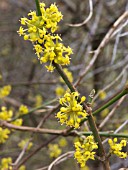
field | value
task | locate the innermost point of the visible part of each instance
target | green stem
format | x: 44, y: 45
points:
x: 110, y: 102
x: 38, y: 7
x: 96, y: 135
x: 65, y: 78
x: 106, y: 134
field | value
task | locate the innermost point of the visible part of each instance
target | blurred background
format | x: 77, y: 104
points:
x: 32, y: 85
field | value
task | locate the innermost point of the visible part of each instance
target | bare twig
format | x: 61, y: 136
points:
x: 111, y: 113
x: 113, y: 82
x: 68, y: 154
x: 21, y: 154
x: 87, y: 19
x: 31, y: 129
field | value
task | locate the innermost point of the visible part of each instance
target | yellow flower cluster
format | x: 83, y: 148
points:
x: 59, y: 91
x: 68, y: 74
x: 54, y: 150
x: 5, y: 114
x: 23, y: 110
x: 84, y: 150
x: 72, y: 111
x: 116, y: 148
x: 5, y: 91
x: 6, y: 164
x: 4, y: 134
x: 102, y: 94
x: 38, y: 100
x: 24, y: 142
x: 40, y: 30
x: 62, y: 142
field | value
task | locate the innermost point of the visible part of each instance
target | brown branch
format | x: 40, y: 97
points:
x: 31, y: 129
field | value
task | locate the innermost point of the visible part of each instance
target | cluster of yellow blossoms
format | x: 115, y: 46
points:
x: 84, y: 150
x: 23, y: 110
x: 40, y: 31
x: 5, y: 91
x: 116, y: 148
x: 72, y: 111
x: 6, y: 164
x: 7, y: 115
x: 24, y: 142
x: 55, y: 149
x: 102, y: 94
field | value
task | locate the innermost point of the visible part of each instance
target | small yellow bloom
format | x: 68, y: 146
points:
x: 21, y: 31
x: 68, y: 74
x: 17, y: 122
x: 62, y: 142
x: 6, y: 164
x: 54, y: 150
x: 38, y: 100
x: 23, y: 110
x: 60, y: 91
x: 116, y: 148
x: 5, y: 114
x: 4, y: 135
x: 102, y: 94
x: 24, y: 142
x: 5, y: 91
x: 105, y: 112
x: 71, y: 113
x: 84, y: 150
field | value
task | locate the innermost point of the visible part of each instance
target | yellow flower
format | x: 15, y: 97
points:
x: 17, y: 122
x: 54, y: 150
x: 21, y: 31
x: 102, y: 94
x: 24, y: 142
x: 4, y: 135
x: 5, y: 91
x: 62, y: 142
x: 69, y: 75
x: 72, y: 111
x: 40, y: 31
x: 116, y: 148
x: 104, y: 112
x: 84, y: 150
x: 60, y: 91
x: 38, y: 100
x: 6, y: 164
x: 23, y: 110
x: 5, y: 114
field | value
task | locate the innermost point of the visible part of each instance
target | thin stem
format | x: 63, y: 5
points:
x: 38, y: 7
x: 105, y: 134
x: 109, y: 103
x: 64, y: 76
